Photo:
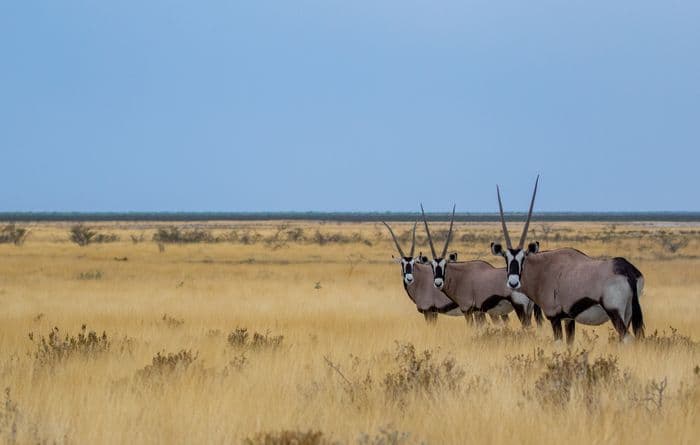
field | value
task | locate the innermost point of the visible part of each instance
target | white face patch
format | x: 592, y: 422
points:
x: 439, y: 272
x: 407, y: 277
x: 515, y: 266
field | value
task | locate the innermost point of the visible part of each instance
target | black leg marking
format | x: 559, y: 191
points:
x: 617, y: 321
x: 539, y: 318
x: 521, y: 312
x: 469, y: 317
x: 505, y: 318
x: 556, y: 328
x: 570, y: 326
x: 430, y: 317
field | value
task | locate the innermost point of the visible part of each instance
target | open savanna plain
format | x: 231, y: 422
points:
x: 271, y: 332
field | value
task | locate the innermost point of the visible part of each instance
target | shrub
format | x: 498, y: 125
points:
x: 385, y: 436
x: 83, y: 235
x: 90, y: 275
x: 421, y: 373
x: 572, y: 369
x: 13, y: 234
x: 288, y: 437
x: 172, y: 322
x: 175, y: 235
x: 9, y: 416
x: 165, y: 364
x: 239, y: 338
x: 666, y: 341
x: 671, y: 242
x: 502, y: 335
x: 54, y: 349
x: 136, y: 238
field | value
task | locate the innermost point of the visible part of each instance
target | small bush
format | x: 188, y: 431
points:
x: 662, y: 340
x: 166, y: 364
x: 421, y: 373
x: 492, y: 334
x: 572, y: 369
x: 175, y: 235
x: 671, y: 242
x: 90, y: 275
x: 239, y: 338
x: 54, y: 348
x: 385, y: 436
x: 9, y: 417
x: 288, y: 437
x: 13, y: 234
x: 171, y: 321
x: 83, y: 235
x: 136, y: 238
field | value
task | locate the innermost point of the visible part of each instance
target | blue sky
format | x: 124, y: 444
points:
x: 334, y: 105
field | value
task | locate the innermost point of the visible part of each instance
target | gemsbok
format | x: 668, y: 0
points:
x: 418, y: 283
x: 571, y: 286
x: 476, y: 286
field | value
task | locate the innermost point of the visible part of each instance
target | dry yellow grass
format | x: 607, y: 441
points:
x: 355, y: 320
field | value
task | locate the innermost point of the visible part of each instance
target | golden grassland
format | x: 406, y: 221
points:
x: 351, y: 363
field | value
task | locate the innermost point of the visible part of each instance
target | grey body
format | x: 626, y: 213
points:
x: 418, y: 284
x: 478, y: 286
x: 428, y: 300
x: 569, y: 285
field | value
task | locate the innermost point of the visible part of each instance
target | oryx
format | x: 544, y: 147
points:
x: 569, y: 285
x: 418, y: 283
x: 476, y: 286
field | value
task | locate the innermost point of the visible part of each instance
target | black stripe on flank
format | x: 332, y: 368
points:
x: 447, y: 308
x: 580, y: 306
x: 491, y: 302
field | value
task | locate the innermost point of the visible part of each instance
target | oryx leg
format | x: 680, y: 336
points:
x: 430, y: 317
x: 618, y: 322
x: 538, y: 315
x: 479, y: 318
x: 570, y: 326
x: 499, y: 319
x: 523, y: 307
x: 556, y: 328
x: 521, y: 310
x: 469, y: 317
x: 617, y: 303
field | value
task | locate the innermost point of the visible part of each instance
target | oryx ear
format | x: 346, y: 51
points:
x: 496, y: 249
x: 453, y: 256
x: 533, y: 247
x: 396, y: 260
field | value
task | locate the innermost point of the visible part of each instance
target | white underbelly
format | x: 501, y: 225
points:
x: 594, y: 315
x: 502, y: 308
x: 457, y: 312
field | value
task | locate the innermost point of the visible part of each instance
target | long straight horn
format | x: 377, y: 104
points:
x: 427, y: 230
x: 413, y: 243
x: 503, y: 220
x: 529, y: 215
x: 449, y: 234
x: 395, y: 240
